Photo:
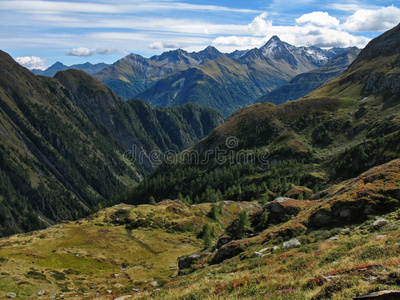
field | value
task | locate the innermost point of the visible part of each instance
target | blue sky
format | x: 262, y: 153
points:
x: 37, y: 33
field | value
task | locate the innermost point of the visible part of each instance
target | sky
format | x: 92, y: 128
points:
x: 37, y: 33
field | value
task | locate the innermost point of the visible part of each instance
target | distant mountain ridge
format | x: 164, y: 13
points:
x: 58, y: 66
x: 134, y: 73
x: 230, y: 82
x: 210, y: 78
x: 305, y: 83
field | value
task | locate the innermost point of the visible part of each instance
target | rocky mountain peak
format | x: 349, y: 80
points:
x: 209, y: 53
x: 273, y: 43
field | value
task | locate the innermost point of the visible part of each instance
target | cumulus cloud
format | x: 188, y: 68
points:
x: 327, y: 38
x: 373, y: 20
x: 318, y: 19
x: 161, y: 45
x: 32, y: 62
x: 85, y: 52
x: 311, y: 29
x: 260, y: 25
x: 238, y: 42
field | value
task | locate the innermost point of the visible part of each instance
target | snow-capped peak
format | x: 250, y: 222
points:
x: 271, y: 46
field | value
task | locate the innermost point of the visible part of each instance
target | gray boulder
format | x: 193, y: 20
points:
x: 154, y: 284
x: 381, y: 295
x: 380, y: 222
x: 293, y: 243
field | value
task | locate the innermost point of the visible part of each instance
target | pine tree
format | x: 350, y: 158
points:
x: 187, y: 200
x: 213, y: 214
x: 264, y: 219
x: 152, y: 201
x: 221, y: 207
x: 180, y: 197
x: 207, y: 238
x: 242, y: 225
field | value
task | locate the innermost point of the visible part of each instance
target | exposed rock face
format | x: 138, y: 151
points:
x: 388, y: 45
x: 191, y: 262
x: 280, y: 210
x: 227, y: 251
x: 223, y: 241
x: 342, y: 213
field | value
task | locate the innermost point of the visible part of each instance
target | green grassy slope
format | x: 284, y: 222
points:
x: 116, y: 249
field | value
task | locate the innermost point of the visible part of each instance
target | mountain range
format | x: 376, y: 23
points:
x: 210, y: 78
x: 226, y: 82
x: 58, y: 66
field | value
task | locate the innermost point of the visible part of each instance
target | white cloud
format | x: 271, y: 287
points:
x: 85, y: 52
x: 32, y: 62
x: 238, y: 42
x: 318, y: 19
x: 260, y: 25
x: 373, y: 20
x: 313, y: 29
x: 347, y: 7
x: 161, y: 45
x: 327, y: 38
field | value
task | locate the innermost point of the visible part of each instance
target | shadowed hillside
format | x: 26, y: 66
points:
x: 63, y: 142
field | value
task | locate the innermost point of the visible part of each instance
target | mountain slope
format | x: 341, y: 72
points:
x: 86, y: 67
x: 221, y: 83
x: 305, y: 83
x: 64, y: 143
x: 232, y: 83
